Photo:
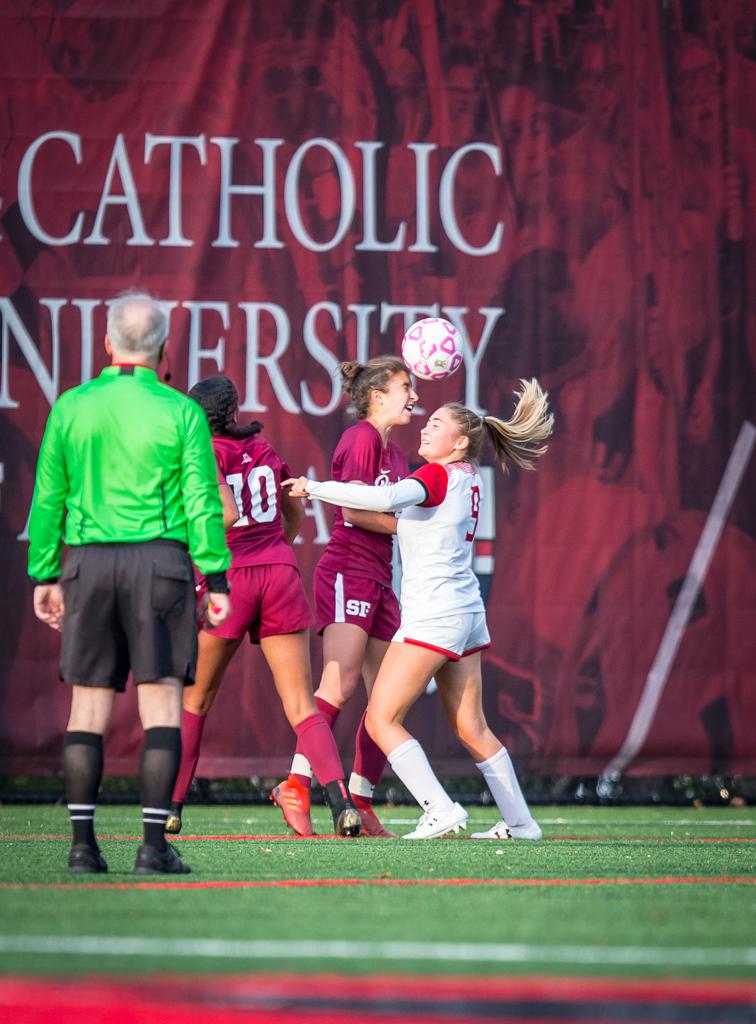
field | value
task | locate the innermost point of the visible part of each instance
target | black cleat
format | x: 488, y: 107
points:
x: 85, y: 860
x: 348, y: 822
x: 150, y: 861
x: 346, y: 817
x: 173, y: 821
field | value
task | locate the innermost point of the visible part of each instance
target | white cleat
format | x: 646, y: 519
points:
x: 503, y: 831
x: 434, y: 823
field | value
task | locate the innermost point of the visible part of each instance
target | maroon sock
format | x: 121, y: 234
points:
x: 191, y: 737
x: 369, y: 759
x: 315, y: 740
x: 330, y: 713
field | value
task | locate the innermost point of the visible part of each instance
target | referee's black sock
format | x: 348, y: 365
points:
x: 82, y: 770
x: 161, y: 757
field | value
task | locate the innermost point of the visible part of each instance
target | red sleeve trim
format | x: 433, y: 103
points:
x: 435, y: 480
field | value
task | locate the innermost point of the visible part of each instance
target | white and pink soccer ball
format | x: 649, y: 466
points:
x: 432, y: 349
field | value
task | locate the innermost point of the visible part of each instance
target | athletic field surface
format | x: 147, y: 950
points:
x: 631, y: 914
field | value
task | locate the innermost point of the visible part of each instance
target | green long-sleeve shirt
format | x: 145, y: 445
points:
x: 125, y: 458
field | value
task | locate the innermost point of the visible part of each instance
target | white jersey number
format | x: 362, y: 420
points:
x: 259, y: 502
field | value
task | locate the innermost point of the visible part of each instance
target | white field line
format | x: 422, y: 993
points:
x: 452, y: 952
x: 656, y: 680
x: 602, y: 822
x: 646, y: 822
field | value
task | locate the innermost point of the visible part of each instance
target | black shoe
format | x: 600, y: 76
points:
x: 85, y: 860
x: 348, y: 822
x: 346, y: 817
x: 173, y: 821
x: 150, y: 861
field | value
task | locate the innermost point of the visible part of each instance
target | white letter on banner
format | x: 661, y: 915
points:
x: 119, y: 161
x: 369, y: 241
x: 446, y: 200
x: 291, y: 195
x: 176, y: 143
x: 26, y: 197
x: 422, y: 151
x: 253, y: 311
x: 363, y: 314
x: 13, y: 325
x: 410, y: 313
x: 472, y: 357
x: 323, y: 357
x: 196, y: 353
x: 267, y: 190
x: 86, y: 308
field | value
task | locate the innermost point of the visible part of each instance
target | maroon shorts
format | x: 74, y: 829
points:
x: 266, y: 600
x: 341, y: 597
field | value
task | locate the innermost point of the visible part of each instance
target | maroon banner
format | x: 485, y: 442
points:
x: 570, y: 183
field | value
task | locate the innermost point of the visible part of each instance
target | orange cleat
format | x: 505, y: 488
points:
x: 371, y: 824
x: 294, y: 801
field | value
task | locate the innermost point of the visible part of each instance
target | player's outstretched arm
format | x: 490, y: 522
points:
x: 376, y: 522
x: 296, y: 486
x: 392, y: 498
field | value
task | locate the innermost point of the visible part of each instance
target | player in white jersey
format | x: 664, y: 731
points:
x: 443, y: 624
x: 435, y: 543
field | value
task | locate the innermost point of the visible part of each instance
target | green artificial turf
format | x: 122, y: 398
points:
x: 676, y: 928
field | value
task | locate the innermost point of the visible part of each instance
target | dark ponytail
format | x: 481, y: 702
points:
x: 220, y: 403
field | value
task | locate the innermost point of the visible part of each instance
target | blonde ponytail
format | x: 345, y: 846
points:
x: 520, y: 438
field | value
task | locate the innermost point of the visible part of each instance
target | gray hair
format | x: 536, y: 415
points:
x: 137, y: 323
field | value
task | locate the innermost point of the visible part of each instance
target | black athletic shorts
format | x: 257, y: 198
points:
x: 128, y: 607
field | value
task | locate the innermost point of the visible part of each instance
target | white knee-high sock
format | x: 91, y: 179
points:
x: 409, y: 762
x: 500, y: 777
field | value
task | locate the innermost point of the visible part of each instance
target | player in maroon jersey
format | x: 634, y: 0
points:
x: 443, y: 623
x: 268, y: 604
x: 357, y: 611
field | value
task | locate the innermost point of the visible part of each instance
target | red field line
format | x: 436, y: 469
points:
x: 696, y: 991
x: 525, y: 986
x: 390, y: 998
x: 326, y: 883
x: 107, y: 836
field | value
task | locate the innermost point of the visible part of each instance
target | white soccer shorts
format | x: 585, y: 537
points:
x: 453, y: 635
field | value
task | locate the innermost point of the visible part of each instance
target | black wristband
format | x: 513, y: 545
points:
x: 217, y: 583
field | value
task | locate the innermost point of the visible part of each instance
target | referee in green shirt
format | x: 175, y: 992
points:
x: 126, y: 476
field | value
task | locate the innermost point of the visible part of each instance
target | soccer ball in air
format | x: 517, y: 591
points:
x: 432, y: 348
